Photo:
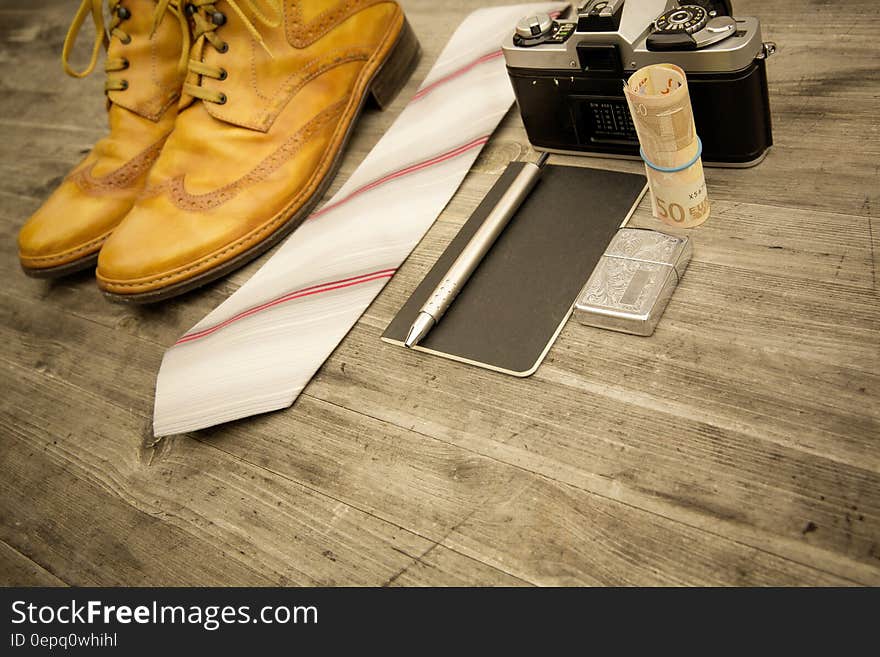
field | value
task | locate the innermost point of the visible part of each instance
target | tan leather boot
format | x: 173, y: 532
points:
x: 274, y: 89
x: 144, y: 82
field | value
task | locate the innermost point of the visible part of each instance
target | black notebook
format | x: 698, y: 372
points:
x: 515, y: 304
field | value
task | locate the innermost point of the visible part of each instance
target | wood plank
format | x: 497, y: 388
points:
x: 417, y: 471
x: 441, y: 566
x: 17, y: 570
x: 428, y: 484
x: 573, y: 540
x: 403, y: 477
x: 260, y: 527
x: 69, y: 522
x: 622, y: 447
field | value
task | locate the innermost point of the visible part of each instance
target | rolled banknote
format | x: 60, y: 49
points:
x: 660, y: 105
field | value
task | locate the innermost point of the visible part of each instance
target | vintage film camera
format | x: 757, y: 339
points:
x: 568, y: 74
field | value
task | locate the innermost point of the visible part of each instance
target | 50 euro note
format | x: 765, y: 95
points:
x: 660, y: 105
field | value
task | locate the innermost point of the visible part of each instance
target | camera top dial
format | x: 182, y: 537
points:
x: 534, y: 26
x: 687, y: 18
x: 536, y: 29
x: 689, y: 27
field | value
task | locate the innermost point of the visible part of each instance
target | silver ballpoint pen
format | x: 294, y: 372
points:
x: 472, y: 254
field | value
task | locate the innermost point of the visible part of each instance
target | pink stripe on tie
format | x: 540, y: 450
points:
x: 403, y: 172
x: 298, y: 294
x: 451, y: 76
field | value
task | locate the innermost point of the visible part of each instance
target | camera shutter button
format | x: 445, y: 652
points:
x: 534, y: 26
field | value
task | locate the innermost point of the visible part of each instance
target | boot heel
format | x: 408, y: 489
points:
x: 397, y: 69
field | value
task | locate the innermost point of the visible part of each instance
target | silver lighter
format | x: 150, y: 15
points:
x: 630, y: 287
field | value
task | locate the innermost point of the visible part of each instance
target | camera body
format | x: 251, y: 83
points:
x: 568, y: 73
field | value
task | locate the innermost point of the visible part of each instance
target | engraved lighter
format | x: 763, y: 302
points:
x: 630, y: 287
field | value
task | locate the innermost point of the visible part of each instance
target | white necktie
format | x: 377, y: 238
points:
x: 257, y: 351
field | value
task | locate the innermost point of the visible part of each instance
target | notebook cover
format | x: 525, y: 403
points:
x: 516, y: 302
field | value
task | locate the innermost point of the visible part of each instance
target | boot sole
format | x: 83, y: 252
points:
x: 62, y: 270
x: 385, y: 85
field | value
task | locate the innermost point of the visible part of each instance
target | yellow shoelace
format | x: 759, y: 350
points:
x: 206, y: 19
x: 103, y: 33
x: 96, y: 9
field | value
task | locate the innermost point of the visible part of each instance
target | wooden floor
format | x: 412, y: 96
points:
x: 737, y: 446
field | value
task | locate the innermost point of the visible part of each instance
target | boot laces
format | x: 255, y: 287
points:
x: 104, y: 32
x: 206, y: 21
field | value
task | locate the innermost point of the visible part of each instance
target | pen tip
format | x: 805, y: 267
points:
x: 419, y: 329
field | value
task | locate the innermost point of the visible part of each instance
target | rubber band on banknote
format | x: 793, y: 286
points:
x: 688, y: 165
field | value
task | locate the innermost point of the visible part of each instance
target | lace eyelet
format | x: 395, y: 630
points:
x: 126, y: 40
x: 224, y: 48
x: 191, y: 9
x: 218, y: 18
x: 123, y: 13
x: 124, y: 85
x: 125, y: 64
x: 222, y: 100
x: 223, y: 74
